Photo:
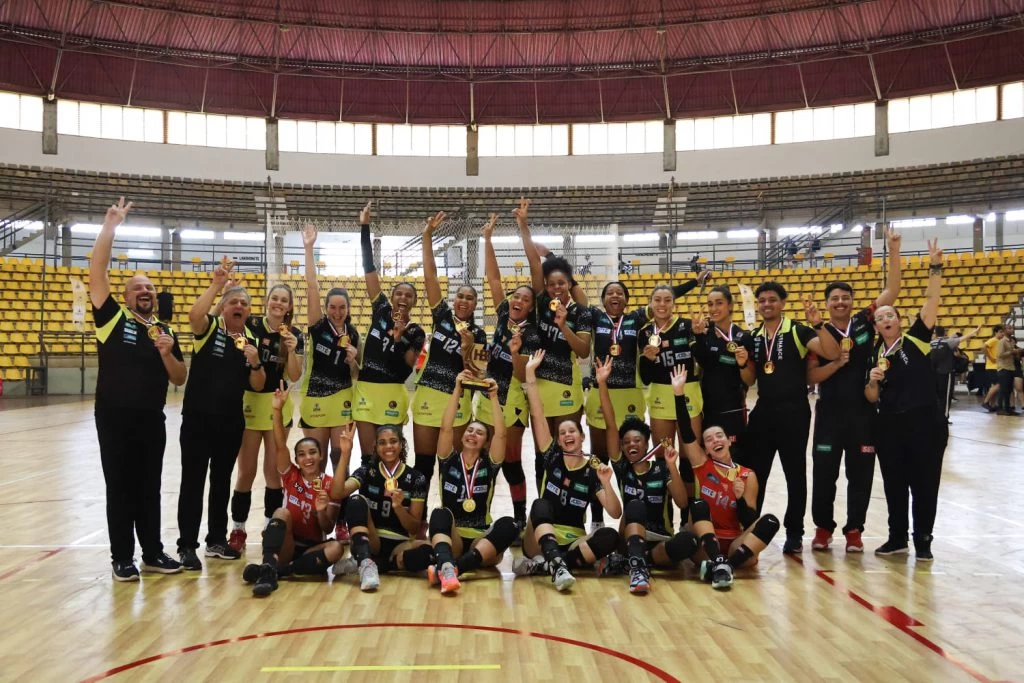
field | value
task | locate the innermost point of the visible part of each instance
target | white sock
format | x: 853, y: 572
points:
x: 238, y: 525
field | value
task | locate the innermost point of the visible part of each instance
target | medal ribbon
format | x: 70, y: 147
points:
x: 615, y: 330
x: 335, y: 329
x: 847, y: 332
x: 887, y: 351
x: 769, y: 346
x: 465, y: 475
x: 732, y: 471
x: 148, y: 323
x: 728, y: 337
x: 390, y: 474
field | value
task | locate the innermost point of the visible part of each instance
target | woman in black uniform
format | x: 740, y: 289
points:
x: 461, y: 530
x: 389, y: 352
x: 911, y: 432
x: 332, y: 365
x: 515, y: 338
x: 649, y: 485
x: 225, y: 363
x: 280, y: 347
x: 555, y: 540
x: 454, y: 340
x: 724, y: 351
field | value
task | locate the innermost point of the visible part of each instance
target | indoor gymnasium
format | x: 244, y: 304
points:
x: 476, y: 340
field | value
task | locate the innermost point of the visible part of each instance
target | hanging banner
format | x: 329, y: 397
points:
x: 78, y: 303
x: 749, y: 306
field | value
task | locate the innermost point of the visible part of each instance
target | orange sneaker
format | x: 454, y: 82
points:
x: 854, y: 544
x: 449, y: 577
x: 822, y: 539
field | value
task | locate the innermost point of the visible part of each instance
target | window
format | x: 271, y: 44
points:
x: 89, y: 121
x: 287, y: 136
x: 216, y: 131
x: 67, y: 117
x: 305, y: 133
x: 10, y: 110
x: 31, y: 113
x: 1013, y: 100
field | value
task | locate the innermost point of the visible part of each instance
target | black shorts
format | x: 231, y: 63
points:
x: 992, y: 376
x: 383, y: 558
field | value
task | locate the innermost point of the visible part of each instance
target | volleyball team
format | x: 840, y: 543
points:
x: 669, y: 450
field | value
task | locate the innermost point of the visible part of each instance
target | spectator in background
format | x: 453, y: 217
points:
x: 1005, y: 353
x: 943, y: 357
x: 991, y: 375
x: 695, y: 263
x: 165, y: 306
x: 812, y: 252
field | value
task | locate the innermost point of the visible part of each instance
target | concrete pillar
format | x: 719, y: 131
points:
x: 1000, y: 225
x: 668, y: 154
x: 176, y: 250
x: 472, y: 151
x: 377, y: 260
x: 65, y: 245
x: 279, y: 248
x: 882, y: 128
x: 273, y: 153
x: 762, y: 245
x: 49, y: 126
x: 165, y: 246
x: 979, y: 235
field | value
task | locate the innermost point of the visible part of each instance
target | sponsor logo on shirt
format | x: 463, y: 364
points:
x: 576, y: 502
x: 451, y: 488
x: 708, y: 491
x: 582, y: 488
x: 293, y: 500
x: 553, y: 488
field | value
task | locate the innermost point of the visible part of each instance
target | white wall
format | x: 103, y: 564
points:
x: 906, y: 149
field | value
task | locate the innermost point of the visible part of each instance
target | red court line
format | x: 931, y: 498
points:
x: 896, y: 617
x: 654, y: 671
x: 29, y: 562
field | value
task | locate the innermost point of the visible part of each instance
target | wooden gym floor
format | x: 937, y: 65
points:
x: 822, y: 616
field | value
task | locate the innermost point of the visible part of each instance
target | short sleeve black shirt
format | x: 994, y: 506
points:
x: 328, y: 371
x: 721, y: 385
x: 845, y: 388
x: 272, y: 353
x: 218, y: 375
x: 444, y: 355
x: 624, y: 330
x: 788, y: 353
x: 559, y: 358
x: 383, y: 359
x: 910, y: 380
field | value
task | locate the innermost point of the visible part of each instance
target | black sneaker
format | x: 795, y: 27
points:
x: 222, y: 551
x: 923, y: 550
x: 251, y: 573
x: 267, y: 581
x: 161, y: 564
x: 794, y: 545
x: 613, y: 564
x: 189, y: 559
x: 892, y: 547
x: 124, y: 571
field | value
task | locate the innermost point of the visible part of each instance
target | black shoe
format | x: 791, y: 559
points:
x: 251, y: 573
x: 161, y: 564
x: 189, y: 559
x: 892, y: 547
x: 267, y: 581
x: 923, y: 550
x: 223, y: 551
x: 794, y: 545
x: 989, y: 408
x: 124, y: 571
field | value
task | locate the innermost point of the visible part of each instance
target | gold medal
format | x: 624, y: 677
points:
x: 390, y: 484
x: 343, y: 341
x: 595, y: 461
x: 654, y: 341
x: 240, y: 343
x: 883, y: 363
x: 469, y: 505
x: 283, y: 329
x: 154, y: 332
x: 553, y: 305
x: 317, y: 484
x: 732, y: 347
x: 461, y: 326
x: 615, y: 350
x: 846, y: 344
x: 769, y: 368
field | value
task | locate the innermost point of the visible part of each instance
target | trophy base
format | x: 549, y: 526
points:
x: 474, y: 385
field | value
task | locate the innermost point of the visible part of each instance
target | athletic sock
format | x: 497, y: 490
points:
x: 709, y: 542
x: 360, y: 546
x: 636, y: 546
x: 469, y: 561
x: 519, y: 510
x: 241, y: 502
x: 740, y: 556
x: 443, y: 551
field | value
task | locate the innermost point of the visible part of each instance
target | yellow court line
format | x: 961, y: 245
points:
x: 397, y: 667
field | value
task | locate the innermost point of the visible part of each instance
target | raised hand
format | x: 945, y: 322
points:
x: 894, y: 240
x: 699, y: 322
x: 492, y: 387
x: 535, y: 360
x: 280, y: 396
x: 364, y: 215
x: 604, y: 473
x: 289, y: 342
x: 934, y: 252
x: 164, y: 343
x: 489, y: 226
x: 738, y: 487
x: 431, y: 225
x: 515, y: 343
x: 671, y: 455
x: 116, y: 213
x: 812, y: 312
x: 703, y: 277
x: 222, y: 272
x: 602, y: 369
x: 522, y: 212
x: 308, y: 236
x: 347, y: 436
x: 679, y: 380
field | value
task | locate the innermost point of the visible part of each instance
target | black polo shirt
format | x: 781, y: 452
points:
x: 787, y: 352
x: 909, y: 382
x: 218, y: 375
x: 845, y: 388
x: 721, y: 385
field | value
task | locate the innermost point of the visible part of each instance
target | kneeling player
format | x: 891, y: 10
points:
x: 555, y: 540
x: 724, y: 516
x: 649, y: 486
x: 294, y: 541
x: 467, y: 480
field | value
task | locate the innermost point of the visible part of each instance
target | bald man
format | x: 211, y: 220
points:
x: 137, y: 356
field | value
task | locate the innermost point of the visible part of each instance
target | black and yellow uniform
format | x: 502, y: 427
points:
x: 911, y: 433
x: 569, y: 491
x: 211, y: 431
x: 131, y: 389
x: 675, y: 348
x: 371, y: 479
x: 499, y: 368
x: 327, y: 381
x: 722, y: 387
x: 454, y: 491
x: 444, y: 363
x: 619, y: 334
x: 256, y: 405
x: 842, y: 423
x: 381, y: 397
x: 781, y: 418
x: 651, y: 489
x: 558, y: 378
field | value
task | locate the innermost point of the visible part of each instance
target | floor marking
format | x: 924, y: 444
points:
x: 982, y: 512
x: 54, y: 546
x: 396, y: 667
x: 85, y: 538
x: 651, y: 669
x: 31, y: 476
x: 44, y: 556
x: 896, y: 617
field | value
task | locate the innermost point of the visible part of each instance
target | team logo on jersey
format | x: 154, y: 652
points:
x: 655, y: 484
x: 392, y: 404
x: 348, y: 404
x: 714, y: 477
x: 582, y: 488
x: 707, y: 491
x: 565, y: 482
x: 566, y: 394
x: 551, y: 487
x: 631, y: 408
x: 451, y: 488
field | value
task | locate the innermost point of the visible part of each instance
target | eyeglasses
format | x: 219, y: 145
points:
x: 887, y: 316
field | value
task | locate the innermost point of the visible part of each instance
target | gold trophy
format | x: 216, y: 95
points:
x: 470, y: 357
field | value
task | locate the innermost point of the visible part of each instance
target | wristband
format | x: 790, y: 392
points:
x: 744, y: 366
x: 818, y: 326
x: 935, y: 269
x: 254, y: 368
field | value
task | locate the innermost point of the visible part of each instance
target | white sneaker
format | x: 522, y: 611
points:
x: 562, y: 579
x: 530, y: 566
x: 369, y: 579
x: 346, y: 565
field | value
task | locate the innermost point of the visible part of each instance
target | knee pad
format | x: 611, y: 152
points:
x: 357, y: 512
x: 441, y: 522
x: 541, y: 512
x: 503, y: 534
x: 311, y: 564
x: 273, y: 535
x: 681, y: 546
x: 766, y: 528
x: 603, y: 542
x: 699, y: 511
x: 635, y: 513
x: 417, y: 559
